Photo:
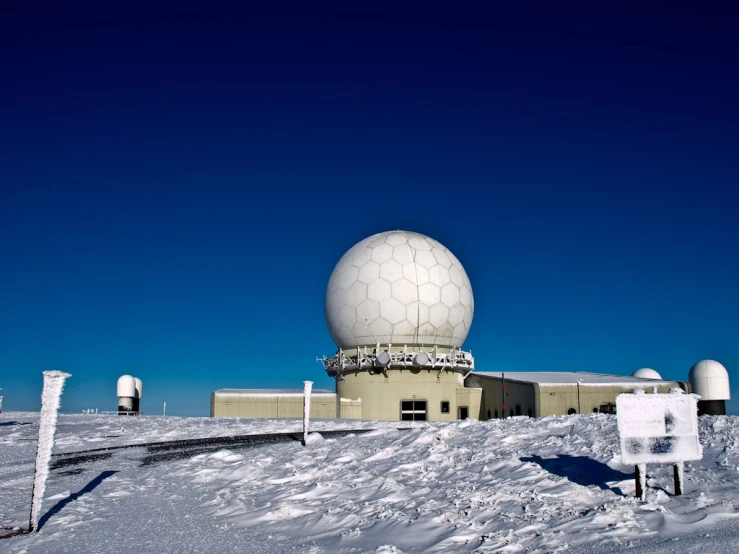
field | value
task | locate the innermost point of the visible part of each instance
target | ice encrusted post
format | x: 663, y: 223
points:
x: 50, y: 402
x: 307, y: 387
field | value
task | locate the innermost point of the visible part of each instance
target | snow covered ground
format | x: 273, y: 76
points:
x: 520, y: 485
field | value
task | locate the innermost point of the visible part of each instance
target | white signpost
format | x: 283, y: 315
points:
x: 658, y: 428
x: 307, y: 387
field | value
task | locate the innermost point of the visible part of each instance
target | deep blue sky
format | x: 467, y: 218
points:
x: 179, y: 181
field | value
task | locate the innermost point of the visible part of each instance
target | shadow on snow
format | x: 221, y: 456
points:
x: 581, y: 470
x: 59, y: 506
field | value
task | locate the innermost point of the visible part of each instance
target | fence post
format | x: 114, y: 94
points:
x: 50, y: 401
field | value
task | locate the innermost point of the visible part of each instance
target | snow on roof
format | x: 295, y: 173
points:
x: 270, y: 392
x: 570, y: 378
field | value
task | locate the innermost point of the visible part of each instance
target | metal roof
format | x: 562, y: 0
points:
x: 270, y: 392
x: 570, y: 378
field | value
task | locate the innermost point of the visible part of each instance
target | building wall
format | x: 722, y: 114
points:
x: 519, y: 397
x: 557, y: 400
x: 350, y: 409
x: 469, y: 398
x: 381, y: 396
x: 273, y: 406
x: 543, y: 400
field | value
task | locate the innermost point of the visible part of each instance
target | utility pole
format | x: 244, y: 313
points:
x: 502, y: 392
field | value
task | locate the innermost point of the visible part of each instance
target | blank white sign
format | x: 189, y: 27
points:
x: 658, y: 428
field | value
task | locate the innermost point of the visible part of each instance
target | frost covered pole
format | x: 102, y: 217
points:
x: 307, y: 386
x: 50, y: 401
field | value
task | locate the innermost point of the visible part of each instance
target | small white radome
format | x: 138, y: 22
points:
x: 710, y: 380
x: 646, y: 373
x: 126, y: 387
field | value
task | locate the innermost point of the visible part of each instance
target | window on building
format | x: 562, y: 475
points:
x: 463, y: 412
x: 413, y: 410
x: 595, y: 410
x: 444, y: 406
x: 518, y: 409
x: 571, y: 411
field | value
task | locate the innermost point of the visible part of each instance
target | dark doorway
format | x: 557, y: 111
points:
x: 463, y: 412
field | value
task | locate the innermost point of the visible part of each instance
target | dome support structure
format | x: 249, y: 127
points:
x: 337, y: 366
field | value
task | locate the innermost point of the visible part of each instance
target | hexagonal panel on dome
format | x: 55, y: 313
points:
x: 405, y: 291
x: 369, y: 272
x: 348, y: 277
x: 404, y: 332
x: 361, y: 257
x: 392, y: 310
x: 362, y: 332
x: 468, y: 312
x: 439, y: 275
x: 446, y: 331
x: 403, y: 254
x: 396, y: 239
x: 427, y: 333
x: 409, y: 273
x: 429, y: 294
x: 425, y: 260
x: 379, y: 290
x: 356, y: 294
x: 438, y: 315
x: 456, y: 275
x: 465, y: 296
x: 456, y: 315
x: 419, y: 243
x: 347, y: 316
x: 376, y: 240
x: 335, y: 300
x: 441, y: 257
x: 368, y: 311
x: 382, y: 253
x: 399, y: 287
x: 460, y: 331
x: 391, y: 271
x: 417, y: 312
x: 382, y: 330
x: 450, y: 294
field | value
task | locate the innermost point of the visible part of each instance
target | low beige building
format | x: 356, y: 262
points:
x: 271, y: 403
x: 539, y: 394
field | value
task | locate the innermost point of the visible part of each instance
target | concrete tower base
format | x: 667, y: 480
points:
x: 411, y: 395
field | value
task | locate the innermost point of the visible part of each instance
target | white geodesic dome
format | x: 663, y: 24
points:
x: 399, y: 288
